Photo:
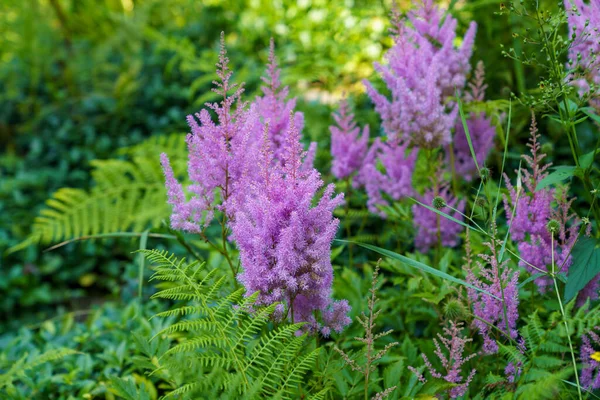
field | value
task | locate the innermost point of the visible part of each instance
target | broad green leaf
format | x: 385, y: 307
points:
x: 586, y: 265
x: 560, y: 174
x: 587, y: 159
x: 419, y: 265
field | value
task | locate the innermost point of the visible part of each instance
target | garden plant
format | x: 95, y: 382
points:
x: 300, y: 199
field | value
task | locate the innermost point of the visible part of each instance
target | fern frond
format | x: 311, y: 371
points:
x: 173, y: 144
x: 183, y: 390
x: 225, y: 334
x: 300, y: 369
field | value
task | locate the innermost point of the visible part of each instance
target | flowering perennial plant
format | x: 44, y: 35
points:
x: 590, y: 357
x: 221, y: 157
x: 274, y: 109
x: 530, y: 225
x: 434, y: 229
x: 348, y: 145
x: 396, y: 179
x: 500, y: 309
x: 285, y: 241
x: 453, y: 362
x: 424, y: 69
x: 584, y: 23
x: 481, y: 130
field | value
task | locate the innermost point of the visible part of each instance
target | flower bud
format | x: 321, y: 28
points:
x: 439, y: 202
x: 553, y: 226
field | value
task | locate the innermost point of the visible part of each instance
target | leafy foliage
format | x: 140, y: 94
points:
x: 127, y: 196
x: 224, y: 345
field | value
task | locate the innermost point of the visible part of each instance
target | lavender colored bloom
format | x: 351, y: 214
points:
x: 584, y: 22
x: 348, y: 145
x: 431, y: 226
x: 452, y: 363
x: 274, y: 109
x: 387, y: 168
x: 424, y: 68
x: 285, y: 241
x: 481, y: 130
x: 533, y: 213
x: 590, y: 374
x: 221, y: 156
x: 498, y: 279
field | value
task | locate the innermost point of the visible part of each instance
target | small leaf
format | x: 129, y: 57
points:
x: 586, y: 265
x: 586, y: 160
x: 560, y: 174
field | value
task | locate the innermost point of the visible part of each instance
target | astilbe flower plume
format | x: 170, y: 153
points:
x: 387, y: 169
x: 494, y: 277
x: 481, y: 131
x: 348, y: 144
x: 221, y: 156
x: 274, y: 109
x: 285, y: 241
x: 424, y: 69
x: 533, y: 211
x: 432, y: 227
x: 590, y: 357
x: 453, y: 362
x: 584, y: 22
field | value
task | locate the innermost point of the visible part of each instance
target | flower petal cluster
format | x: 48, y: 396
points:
x: 500, y: 281
x: 424, y: 69
x: 222, y: 155
x: 452, y: 363
x: 348, y: 145
x: 584, y: 21
x: 285, y: 240
x: 274, y: 109
x: 387, y: 168
x: 481, y: 131
x: 590, y: 374
x: 432, y: 227
x: 533, y: 210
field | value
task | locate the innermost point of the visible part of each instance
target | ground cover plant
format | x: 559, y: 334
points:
x: 418, y: 219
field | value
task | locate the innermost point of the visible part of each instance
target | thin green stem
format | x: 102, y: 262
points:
x: 562, y: 311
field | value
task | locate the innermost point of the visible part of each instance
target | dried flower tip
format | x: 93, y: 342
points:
x: 553, y: 226
x: 439, y: 203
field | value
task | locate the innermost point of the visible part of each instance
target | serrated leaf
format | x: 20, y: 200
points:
x: 586, y: 265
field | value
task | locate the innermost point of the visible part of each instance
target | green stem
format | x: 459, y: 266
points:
x: 562, y: 311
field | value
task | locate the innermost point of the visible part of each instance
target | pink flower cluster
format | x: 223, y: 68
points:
x: 500, y: 309
x: 584, y: 22
x: 266, y: 194
x: 533, y: 210
x: 285, y: 242
x: 452, y: 363
x: 590, y: 374
x: 424, y: 71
